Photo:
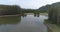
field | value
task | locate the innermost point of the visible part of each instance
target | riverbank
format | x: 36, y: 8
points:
x: 40, y: 13
x: 46, y: 14
x: 52, y: 27
x: 9, y: 15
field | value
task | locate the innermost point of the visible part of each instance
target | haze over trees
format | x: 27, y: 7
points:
x: 44, y: 8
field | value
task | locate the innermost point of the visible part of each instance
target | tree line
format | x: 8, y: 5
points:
x: 14, y: 9
x: 54, y: 13
x: 9, y: 9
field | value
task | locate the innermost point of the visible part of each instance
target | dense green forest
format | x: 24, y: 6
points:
x: 15, y: 9
x: 9, y: 9
x: 54, y: 13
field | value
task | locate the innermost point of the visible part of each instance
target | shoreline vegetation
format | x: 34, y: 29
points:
x: 47, y: 24
x: 21, y: 14
x: 15, y: 9
x: 52, y: 27
x: 52, y: 11
x: 10, y: 15
x: 53, y: 21
x: 44, y: 14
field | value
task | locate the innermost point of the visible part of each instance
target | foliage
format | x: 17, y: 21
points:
x: 54, y: 12
x: 9, y: 9
x: 52, y: 27
x: 29, y: 11
x: 44, y: 8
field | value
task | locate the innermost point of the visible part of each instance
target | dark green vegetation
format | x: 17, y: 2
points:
x: 52, y: 27
x: 9, y: 9
x: 28, y: 10
x: 54, y: 13
x: 15, y: 9
x: 53, y: 21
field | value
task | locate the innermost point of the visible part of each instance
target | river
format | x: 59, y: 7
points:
x: 26, y: 23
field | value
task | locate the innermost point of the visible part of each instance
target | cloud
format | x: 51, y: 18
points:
x: 35, y: 4
x: 9, y: 2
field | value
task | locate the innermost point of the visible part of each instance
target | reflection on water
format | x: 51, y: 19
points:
x: 36, y: 14
x: 24, y: 23
x: 9, y: 20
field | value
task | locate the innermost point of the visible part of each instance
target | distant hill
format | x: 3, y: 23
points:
x: 47, y: 7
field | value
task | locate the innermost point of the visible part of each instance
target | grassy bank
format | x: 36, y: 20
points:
x: 10, y: 15
x: 44, y: 14
x: 52, y: 27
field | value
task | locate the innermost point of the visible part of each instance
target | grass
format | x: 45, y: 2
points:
x: 46, y: 14
x: 52, y: 27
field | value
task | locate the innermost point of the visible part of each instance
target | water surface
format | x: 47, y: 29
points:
x: 24, y: 23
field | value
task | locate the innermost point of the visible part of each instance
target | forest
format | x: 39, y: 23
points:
x: 15, y: 9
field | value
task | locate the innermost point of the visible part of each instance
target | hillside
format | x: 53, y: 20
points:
x: 47, y: 7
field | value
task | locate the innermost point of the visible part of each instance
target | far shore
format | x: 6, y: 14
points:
x: 21, y: 14
x: 9, y: 15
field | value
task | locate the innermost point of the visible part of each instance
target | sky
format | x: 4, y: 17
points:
x: 28, y: 4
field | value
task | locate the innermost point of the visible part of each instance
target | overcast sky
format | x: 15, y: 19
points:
x: 31, y: 4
